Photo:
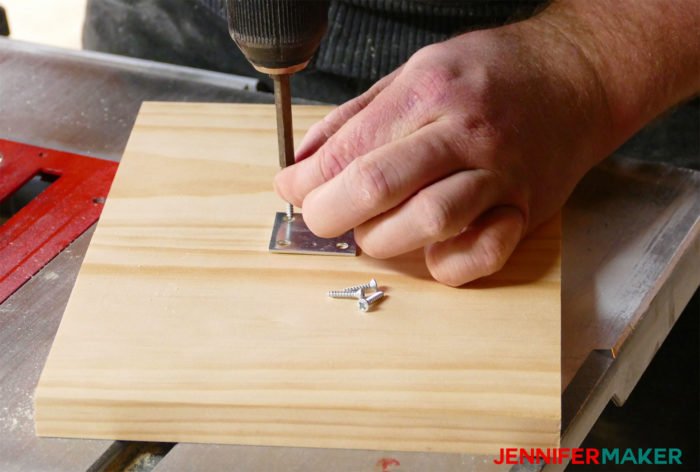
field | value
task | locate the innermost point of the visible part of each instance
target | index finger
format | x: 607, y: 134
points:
x: 319, y: 133
x: 381, y: 180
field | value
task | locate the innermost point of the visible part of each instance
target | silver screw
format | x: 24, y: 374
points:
x: 290, y: 212
x: 364, y: 304
x: 359, y: 294
x: 371, y: 285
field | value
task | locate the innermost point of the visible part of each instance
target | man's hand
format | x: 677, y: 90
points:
x: 462, y: 151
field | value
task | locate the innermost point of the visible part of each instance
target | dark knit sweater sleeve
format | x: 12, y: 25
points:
x: 367, y: 39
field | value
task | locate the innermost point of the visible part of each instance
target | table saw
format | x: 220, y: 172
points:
x: 631, y: 252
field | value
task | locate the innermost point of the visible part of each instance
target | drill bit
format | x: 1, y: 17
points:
x: 285, y: 138
x: 279, y: 37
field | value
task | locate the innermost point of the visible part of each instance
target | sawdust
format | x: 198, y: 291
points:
x: 19, y: 417
x: 50, y: 275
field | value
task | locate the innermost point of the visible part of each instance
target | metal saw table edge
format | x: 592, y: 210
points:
x: 600, y: 377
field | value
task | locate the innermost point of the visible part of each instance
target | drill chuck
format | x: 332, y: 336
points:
x: 278, y: 36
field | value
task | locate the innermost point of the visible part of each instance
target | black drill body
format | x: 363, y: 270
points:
x: 278, y: 35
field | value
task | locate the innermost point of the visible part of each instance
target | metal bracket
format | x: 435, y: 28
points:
x: 294, y: 237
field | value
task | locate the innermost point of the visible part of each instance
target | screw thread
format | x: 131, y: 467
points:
x: 371, y: 285
x: 359, y: 293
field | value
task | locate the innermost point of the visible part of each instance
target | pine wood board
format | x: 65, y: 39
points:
x: 182, y: 327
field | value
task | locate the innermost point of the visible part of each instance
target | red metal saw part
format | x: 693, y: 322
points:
x: 54, y: 218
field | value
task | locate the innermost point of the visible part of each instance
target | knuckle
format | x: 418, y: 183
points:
x: 422, y: 55
x: 428, y: 56
x: 435, y: 216
x: 455, y: 140
x: 356, y: 141
x: 482, y: 83
x: 478, y: 125
x: 370, y: 183
x: 432, y: 87
x: 331, y: 162
x: 475, y: 124
x: 428, y: 79
x: 492, y: 255
x: 475, y: 136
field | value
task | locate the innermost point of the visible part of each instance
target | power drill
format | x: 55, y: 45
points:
x: 279, y: 37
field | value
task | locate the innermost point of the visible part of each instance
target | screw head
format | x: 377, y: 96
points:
x: 363, y: 305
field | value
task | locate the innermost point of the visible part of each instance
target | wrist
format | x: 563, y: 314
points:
x: 645, y: 55
x: 575, y: 91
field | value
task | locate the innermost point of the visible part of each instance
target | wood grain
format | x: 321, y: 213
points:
x: 182, y: 327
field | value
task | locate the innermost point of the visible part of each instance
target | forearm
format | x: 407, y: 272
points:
x: 646, y: 53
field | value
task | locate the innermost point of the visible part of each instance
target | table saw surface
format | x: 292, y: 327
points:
x: 631, y: 249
